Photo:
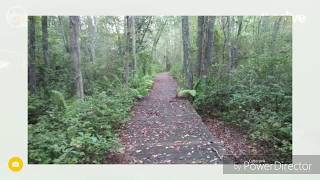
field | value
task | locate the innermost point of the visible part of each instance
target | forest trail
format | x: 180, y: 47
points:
x: 166, y: 129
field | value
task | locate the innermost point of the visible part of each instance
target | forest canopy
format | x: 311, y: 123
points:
x: 86, y: 72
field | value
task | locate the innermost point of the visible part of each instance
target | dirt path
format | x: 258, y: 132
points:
x: 164, y: 129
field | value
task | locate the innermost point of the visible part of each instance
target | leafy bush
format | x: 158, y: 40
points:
x: 141, y: 86
x: 86, y: 130
x: 257, y: 96
x: 36, y: 107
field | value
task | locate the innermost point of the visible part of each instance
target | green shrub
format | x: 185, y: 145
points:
x: 257, y: 96
x: 36, y: 107
x: 141, y: 86
x: 86, y: 129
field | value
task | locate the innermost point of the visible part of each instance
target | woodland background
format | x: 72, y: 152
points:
x: 85, y: 73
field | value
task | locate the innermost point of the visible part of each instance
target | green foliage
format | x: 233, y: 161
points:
x: 255, y: 94
x: 58, y: 99
x: 141, y: 86
x: 36, y: 106
x: 145, y: 60
x: 176, y: 72
x: 257, y: 97
x: 186, y: 92
x: 63, y: 129
x: 87, y: 129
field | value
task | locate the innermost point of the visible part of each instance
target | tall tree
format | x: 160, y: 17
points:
x: 143, y: 26
x: 223, y: 23
x: 64, y: 34
x: 203, y: 48
x: 127, y: 50
x: 133, y: 41
x: 116, y: 22
x: 205, y: 45
x: 92, y: 35
x: 199, y: 43
x: 75, y: 54
x: 276, y: 27
x: 156, y: 39
x: 44, y: 24
x: 229, y: 42
x: 210, y: 50
x: 240, y: 20
x: 186, y: 51
x: 32, y: 80
x: 236, y: 43
x: 131, y: 44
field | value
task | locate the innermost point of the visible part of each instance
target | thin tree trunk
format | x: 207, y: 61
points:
x: 32, y: 81
x: 64, y: 34
x: 240, y: 19
x: 118, y: 37
x: 199, y: 43
x: 276, y: 28
x: 129, y: 44
x: 75, y: 54
x: 133, y: 41
x: 258, y: 37
x: 235, y: 49
x: 92, y: 41
x: 156, y: 40
x: 225, y: 38
x: 186, y: 51
x: 127, y: 52
x: 144, y: 32
x: 229, y: 39
x: 44, y: 23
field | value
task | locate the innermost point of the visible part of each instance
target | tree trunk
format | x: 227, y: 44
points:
x: 210, y: 48
x: 92, y: 36
x: 229, y: 40
x: 141, y: 35
x: 240, y: 19
x: 127, y: 52
x: 75, y: 54
x: 133, y: 41
x: 44, y: 23
x: 276, y: 28
x: 32, y: 81
x: 64, y: 34
x: 156, y: 40
x: 130, y: 44
x: 224, y: 30
x: 204, y: 43
x: 199, y: 43
x: 186, y: 51
x: 119, y: 39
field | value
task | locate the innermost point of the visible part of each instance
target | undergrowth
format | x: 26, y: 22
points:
x: 80, y: 131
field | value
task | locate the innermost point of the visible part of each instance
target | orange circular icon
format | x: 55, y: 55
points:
x: 15, y: 164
